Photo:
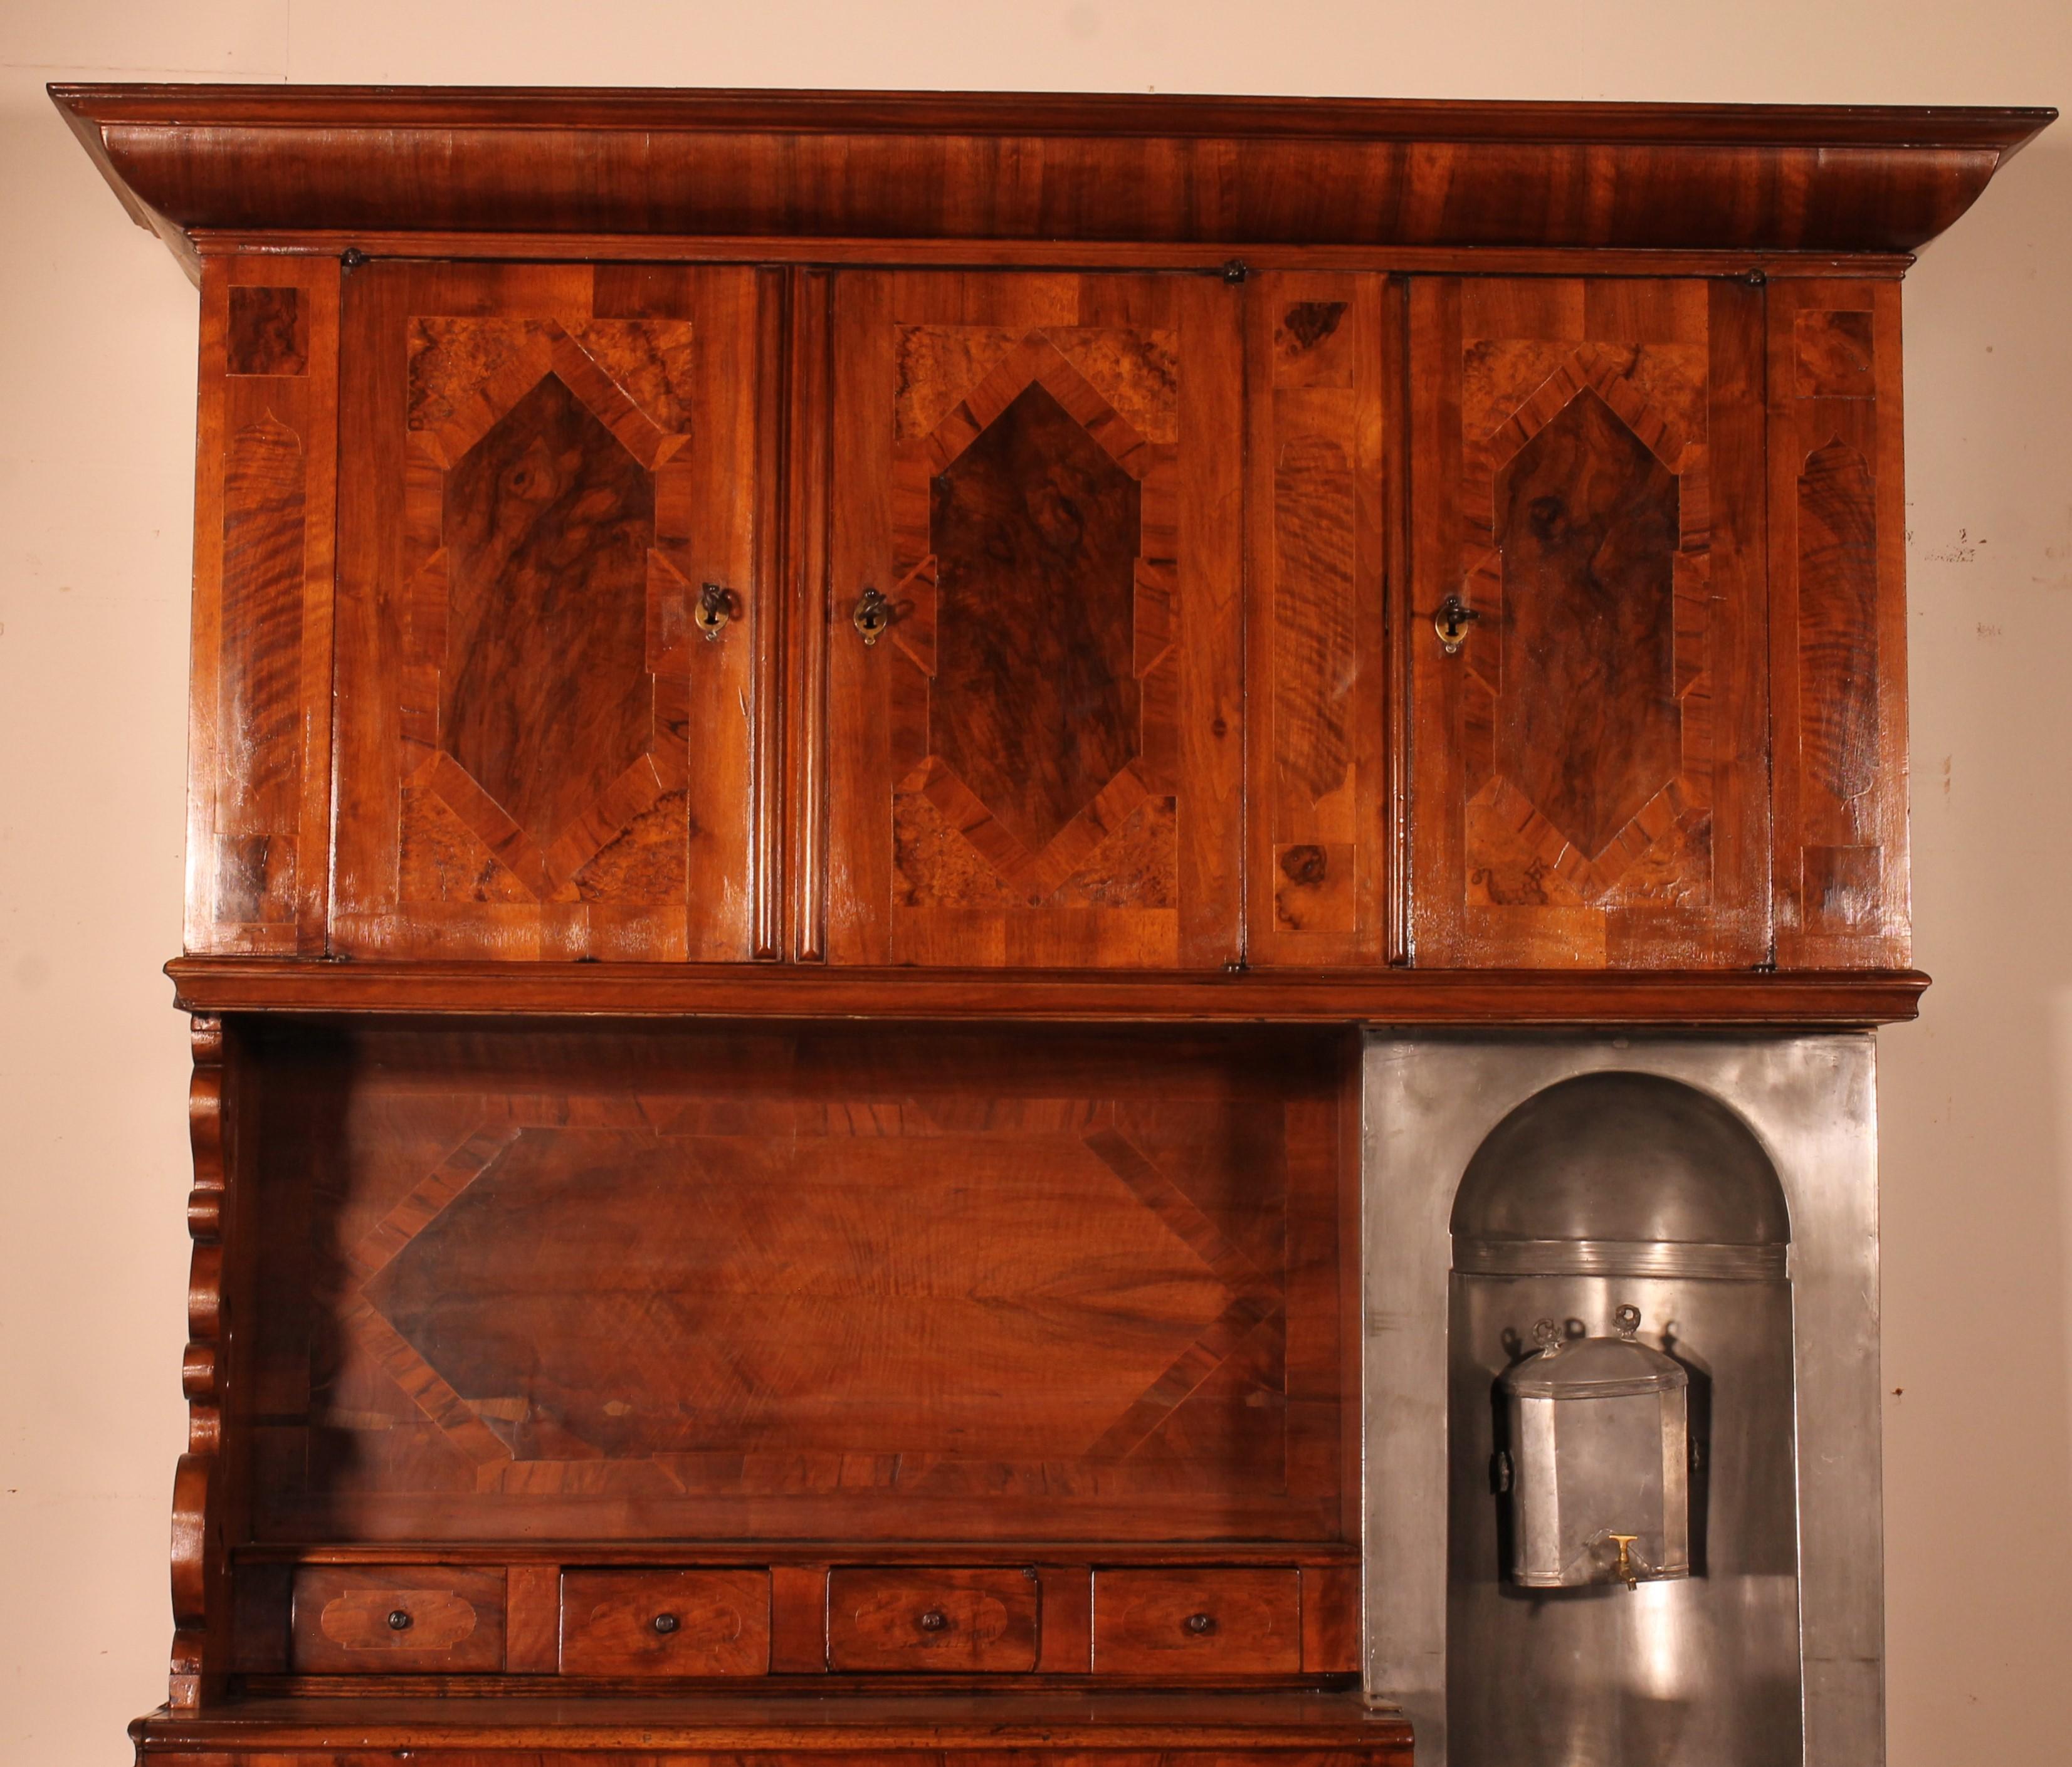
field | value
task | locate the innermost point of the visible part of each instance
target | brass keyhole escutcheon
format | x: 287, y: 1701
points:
x: 715, y: 609
x: 1451, y: 622
x: 1626, y: 1570
x: 873, y: 615
x: 935, y: 1619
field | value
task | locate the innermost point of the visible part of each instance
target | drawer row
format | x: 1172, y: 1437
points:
x: 690, y: 1621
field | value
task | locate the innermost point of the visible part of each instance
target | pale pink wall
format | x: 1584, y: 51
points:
x: 97, y: 401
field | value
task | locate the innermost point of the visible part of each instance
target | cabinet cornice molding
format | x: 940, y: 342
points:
x: 1015, y: 167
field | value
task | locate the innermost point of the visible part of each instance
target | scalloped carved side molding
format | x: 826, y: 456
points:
x: 197, y: 1531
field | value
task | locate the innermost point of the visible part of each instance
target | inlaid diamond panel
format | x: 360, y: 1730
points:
x: 1035, y: 530
x: 1589, y: 725
x: 606, y: 1292
x: 548, y: 524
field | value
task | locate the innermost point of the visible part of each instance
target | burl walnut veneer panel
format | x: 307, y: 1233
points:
x: 397, y: 1618
x: 539, y: 753
x: 736, y: 1283
x: 1037, y: 762
x: 665, y: 1623
x: 934, y: 1619
x: 1324, y: 354
x: 1838, y: 626
x: 1187, y: 1624
x: 1587, y: 479
x: 260, y: 731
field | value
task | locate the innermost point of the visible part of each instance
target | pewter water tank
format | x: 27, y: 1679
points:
x: 1596, y: 1460
x: 1601, y: 1197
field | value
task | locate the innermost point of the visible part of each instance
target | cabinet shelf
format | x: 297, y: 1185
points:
x: 1298, y: 1721
x: 1804, y: 1000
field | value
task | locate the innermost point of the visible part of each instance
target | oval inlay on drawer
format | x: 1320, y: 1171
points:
x: 1198, y: 1622
x: 665, y: 1622
x: 384, y: 1618
x: 979, y: 1620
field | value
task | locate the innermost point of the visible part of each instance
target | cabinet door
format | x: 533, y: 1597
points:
x: 1589, y: 760
x: 539, y: 752
x: 1037, y: 762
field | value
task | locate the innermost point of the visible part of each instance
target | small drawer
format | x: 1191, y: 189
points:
x: 1210, y: 1622
x: 397, y: 1620
x: 921, y: 1619
x: 665, y: 1622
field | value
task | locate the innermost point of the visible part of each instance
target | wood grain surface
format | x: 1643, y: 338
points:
x: 1306, y: 1728
x: 665, y: 1622
x: 1838, y: 626
x: 1833, y: 998
x: 1204, y: 1622
x: 378, y: 1619
x: 816, y: 1283
x: 1319, y: 349
x: 933, y: 1619
x: 1041, y: 473
x: 1027, y: 166
x: 259, y: 725
x: 539, y: 755
x: 1588, y: 764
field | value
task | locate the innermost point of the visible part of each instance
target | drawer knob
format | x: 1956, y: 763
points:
x: 1201, y: 1624
x: 398, y: 1620
x: 933, y: 1620
x: 666, y: 1623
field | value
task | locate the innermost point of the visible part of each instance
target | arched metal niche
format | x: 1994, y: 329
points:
x: 1621, y: 1174
x: 1601, y: 1193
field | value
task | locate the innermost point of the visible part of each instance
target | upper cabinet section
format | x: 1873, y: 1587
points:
x: 548, y: 610
x: 1034, y: 717
x: 1244, y: 546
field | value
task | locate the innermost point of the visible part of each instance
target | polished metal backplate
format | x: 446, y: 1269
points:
x: 1814, y: 1576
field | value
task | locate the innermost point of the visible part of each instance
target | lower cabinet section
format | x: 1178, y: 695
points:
x: 665, y: 1623
x: 1127, y: 1623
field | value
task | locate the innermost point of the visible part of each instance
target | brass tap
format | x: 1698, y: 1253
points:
x: 1625, y: 1570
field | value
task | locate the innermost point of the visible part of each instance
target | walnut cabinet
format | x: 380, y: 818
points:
x: 817, y: 720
